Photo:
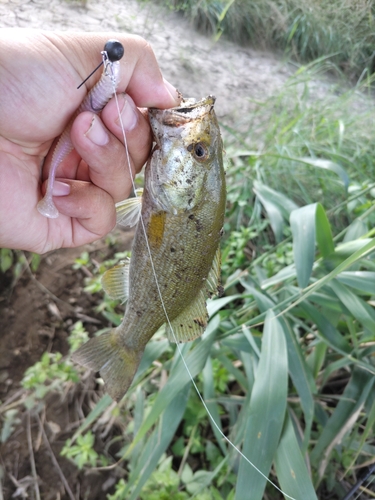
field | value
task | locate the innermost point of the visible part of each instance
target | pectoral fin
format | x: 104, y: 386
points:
x: 115, y: 281
x: 129, y: 211
x: 191, y: 323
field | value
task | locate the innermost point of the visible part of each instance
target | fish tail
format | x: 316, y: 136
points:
x: 116, y: 363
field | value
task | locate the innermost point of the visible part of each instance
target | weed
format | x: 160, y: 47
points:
x: 344, y: 31
x: 82, y: 453
x: 48, y: 374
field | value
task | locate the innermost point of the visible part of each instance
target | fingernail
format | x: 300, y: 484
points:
x: 97, y: 133
x: 173, y: 92
x: 129, y: 112
x: 60, y: 189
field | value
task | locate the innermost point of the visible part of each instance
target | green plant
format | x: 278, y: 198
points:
x: 11, y: 420
x: 82, y: 453
x: 344, y: 32
x: 77, y: 337
x: 17, y: 261
x: 48, y: 374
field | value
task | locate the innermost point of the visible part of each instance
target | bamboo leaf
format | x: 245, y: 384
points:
x: 328, y: 332
x: 323, y: 232
x: 209, y: 397
x: 354, y: 395
x: 103, y: 403
x: 309, y: 224
x: 274, y: 215
x: 364, y: 281
x: 298, y: 369
x: 277, y: 206
x: 358, y: 307
x: 157, y: 443
x: 214, y: 305
x: 356, y: 229
x: 290, y: 466
x: 365, y: 248
x: 327, y: 165
x: 195, y: 359
x: 265, y: 412
x: 153, y: 350
x: 282, y: 202
x: 302, y: 379
x: 302, y: 223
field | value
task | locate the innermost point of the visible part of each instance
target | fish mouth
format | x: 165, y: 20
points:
x: 189, y: 110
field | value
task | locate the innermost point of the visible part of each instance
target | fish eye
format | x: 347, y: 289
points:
x: 199, y: 150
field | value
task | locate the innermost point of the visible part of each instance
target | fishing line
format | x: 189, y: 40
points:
x: 169, y: 322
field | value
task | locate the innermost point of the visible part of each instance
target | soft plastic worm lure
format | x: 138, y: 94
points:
x: 95, y: 101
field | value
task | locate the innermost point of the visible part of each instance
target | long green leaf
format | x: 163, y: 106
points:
x: 282, y: 202
x: 158, y: 442
x: 327, y: 331
x: 361, y: 252
x: 302, y: 224
x: 355, y: 394
x: 195, y: 359
x: 364, y: 281
x: 277, y: 205
x: 103, y: 403
x: 323, y: 232
x: 265, y: 412
x: 297, y: 366
x: 290, y: 466
x: 302, y: 379
x: 209, y: 397
x: 358, y: 307
x: 309, y: 225
x: 327, y: 165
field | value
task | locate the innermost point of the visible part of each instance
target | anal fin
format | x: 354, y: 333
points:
x: 213, y: 283
x: 191, y: 322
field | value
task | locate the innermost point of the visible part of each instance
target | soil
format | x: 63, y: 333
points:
x: 37, y: 309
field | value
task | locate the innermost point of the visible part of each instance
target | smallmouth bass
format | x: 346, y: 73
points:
x: 182, y: 214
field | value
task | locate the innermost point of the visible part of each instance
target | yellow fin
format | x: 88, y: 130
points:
x: 115, y: 281
x: 129, y: 211
x: 116, y: 363
x: 191, y: 322
x: 213, y: 283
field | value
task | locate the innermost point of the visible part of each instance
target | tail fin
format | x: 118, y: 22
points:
x: 116, y: 363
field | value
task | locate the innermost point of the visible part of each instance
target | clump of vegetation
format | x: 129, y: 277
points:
x: 306, y: 30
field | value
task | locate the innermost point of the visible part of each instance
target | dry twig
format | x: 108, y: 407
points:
x: 55, y: 462
x: 32, y: 461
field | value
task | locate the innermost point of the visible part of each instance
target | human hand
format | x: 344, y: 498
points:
x: 38, y: 89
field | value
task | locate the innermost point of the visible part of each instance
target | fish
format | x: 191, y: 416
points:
x: 175, y: 258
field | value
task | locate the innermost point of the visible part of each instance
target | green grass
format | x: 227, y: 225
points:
x: 306, y: 30
x: 310, y: 144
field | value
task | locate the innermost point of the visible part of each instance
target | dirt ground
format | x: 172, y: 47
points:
x: 37, y: 311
